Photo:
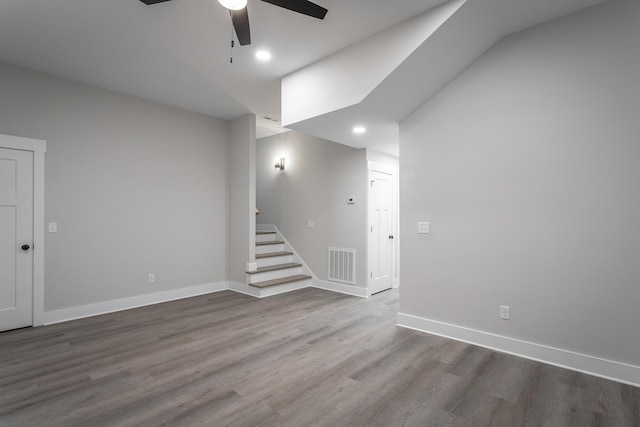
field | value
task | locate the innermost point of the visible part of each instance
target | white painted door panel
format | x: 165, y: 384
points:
x: 16, y: 230
x: 381, y: 244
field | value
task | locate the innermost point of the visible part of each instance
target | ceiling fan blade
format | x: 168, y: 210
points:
x: 301, y: 6
x: 240, y: 20
x: 150, y: 2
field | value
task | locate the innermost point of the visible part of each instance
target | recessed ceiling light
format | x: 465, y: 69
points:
x: 263, y: 55
x: 359, y: 129
x: 233, y: 4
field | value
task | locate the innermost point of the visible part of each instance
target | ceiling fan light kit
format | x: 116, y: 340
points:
x: 240, y: 15
x: 233, y: 4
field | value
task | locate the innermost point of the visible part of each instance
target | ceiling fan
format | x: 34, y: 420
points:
x: 240, y: 15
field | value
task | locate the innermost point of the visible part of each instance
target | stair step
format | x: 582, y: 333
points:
x: 275, y: 267
x: 266, y: 236
x: 280, y: 281
x: 272, y: 254
x: 270, y: 242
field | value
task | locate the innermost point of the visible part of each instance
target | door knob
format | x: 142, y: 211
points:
x: 25, y: 247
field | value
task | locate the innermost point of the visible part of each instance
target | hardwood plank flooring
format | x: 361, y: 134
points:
x: 309, y: 357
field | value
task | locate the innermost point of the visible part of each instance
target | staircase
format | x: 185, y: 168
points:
x: 279, y: 268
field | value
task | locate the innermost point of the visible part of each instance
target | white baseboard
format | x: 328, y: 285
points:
x: 79, y: 312
x: 340, y: 288
x: 82, y: 311
x: 609, y: 369
x: 245, y: 289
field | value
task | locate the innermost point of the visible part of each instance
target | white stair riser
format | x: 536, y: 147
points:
x: 274, y: 260
x: 286, y: 287
x: 269, y: 248
x: 245, y: 289
x: 270, y: 275
x: 265, y: 237
x: 272, y: 290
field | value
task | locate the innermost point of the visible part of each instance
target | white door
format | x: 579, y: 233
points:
x: 16, y: 239
x: 381, y: 241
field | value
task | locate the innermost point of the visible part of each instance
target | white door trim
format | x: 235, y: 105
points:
x: 377, y: 167
x: 38, y: 147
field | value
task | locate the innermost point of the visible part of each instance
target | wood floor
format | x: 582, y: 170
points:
x: 310, y: 357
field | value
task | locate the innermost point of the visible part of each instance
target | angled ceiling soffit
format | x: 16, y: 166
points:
x: 347, y: 77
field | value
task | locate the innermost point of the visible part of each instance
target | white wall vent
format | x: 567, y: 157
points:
x: 342, y: 265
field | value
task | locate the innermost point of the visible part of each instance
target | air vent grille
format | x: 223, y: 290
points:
x: 342, y: 265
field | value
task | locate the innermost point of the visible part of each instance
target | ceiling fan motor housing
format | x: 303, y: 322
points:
x: 240, y: 18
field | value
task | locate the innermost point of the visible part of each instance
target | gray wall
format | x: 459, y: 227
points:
x: 135, y: 188
x: 242, y: 197
x: 526, y: 166
x: 319, y: 176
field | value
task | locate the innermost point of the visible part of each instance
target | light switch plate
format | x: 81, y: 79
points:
x: 53, y: 227
x: 310, y: 224
x: 423, y: 228
x: 505, y: 312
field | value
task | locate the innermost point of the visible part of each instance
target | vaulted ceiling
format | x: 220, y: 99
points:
x: 177, y: 52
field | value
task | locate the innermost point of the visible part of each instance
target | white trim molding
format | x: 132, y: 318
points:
x: 609, y: 369
x: 96, y: 309
x: 244, y: 289
x: 79, y: 312
x: 39, y: 148
x: 340, y: 288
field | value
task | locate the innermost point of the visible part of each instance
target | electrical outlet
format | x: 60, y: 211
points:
x: 152, y: 278
x: 423, y: 228
x: 505, y: 312
x: 310, y: 224
x: 53, y: 227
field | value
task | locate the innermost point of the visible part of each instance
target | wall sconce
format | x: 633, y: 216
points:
x: 280, y: 164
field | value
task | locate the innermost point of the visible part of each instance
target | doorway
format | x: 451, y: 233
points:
x: 382, y: 236
x: 21, y: 232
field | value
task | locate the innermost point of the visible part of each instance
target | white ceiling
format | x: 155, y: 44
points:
x: 379, y: 94
x: 177, y: 53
